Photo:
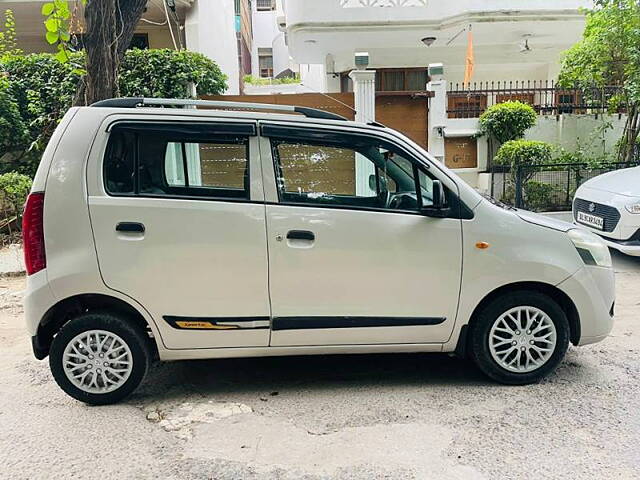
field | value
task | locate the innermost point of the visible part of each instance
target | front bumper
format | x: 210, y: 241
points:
x: 630, y: 246
x: 592, y: 290
x: 625, y: 237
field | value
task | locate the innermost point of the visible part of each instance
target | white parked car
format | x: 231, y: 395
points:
x: 170, y: 233
x: 609, y: 205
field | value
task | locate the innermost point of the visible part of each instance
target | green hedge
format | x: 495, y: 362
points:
x: 524, y: 152
x: 43, y: 89
x: 14, y: 189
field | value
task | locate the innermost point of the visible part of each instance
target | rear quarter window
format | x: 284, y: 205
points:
x: 184, y: 161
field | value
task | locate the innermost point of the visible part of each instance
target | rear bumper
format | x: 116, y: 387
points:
x: 592, y: 290
x: 37, y: 301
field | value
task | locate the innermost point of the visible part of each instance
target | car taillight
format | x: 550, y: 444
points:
x: 33, y: 233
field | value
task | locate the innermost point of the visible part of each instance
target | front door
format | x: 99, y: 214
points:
x: 179, y: 227
x: 355, y: 263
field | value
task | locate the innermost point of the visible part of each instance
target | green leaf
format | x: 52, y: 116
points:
x: 52, y: 24
x: 64, y: 36
x: 79, y: 71
x: 62, y: 56
x: 52, y: 37
x: 47, y: 9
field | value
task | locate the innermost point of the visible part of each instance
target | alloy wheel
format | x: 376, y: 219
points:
x: 97, y: 361
x: 522, y: 339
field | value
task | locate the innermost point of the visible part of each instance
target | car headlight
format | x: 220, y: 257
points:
x: 633, y: 207
x: 592, y: 250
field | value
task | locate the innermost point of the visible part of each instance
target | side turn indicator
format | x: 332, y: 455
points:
x: 482, y: 245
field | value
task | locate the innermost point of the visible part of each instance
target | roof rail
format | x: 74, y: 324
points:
x: 133, y: 102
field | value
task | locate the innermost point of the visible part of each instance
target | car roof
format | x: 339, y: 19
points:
x: 233, y: 106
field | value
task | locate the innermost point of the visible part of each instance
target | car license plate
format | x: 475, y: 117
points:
x: 591, y: 220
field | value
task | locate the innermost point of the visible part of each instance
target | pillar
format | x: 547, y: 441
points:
x: 437, y: 110
x: 364, y: 92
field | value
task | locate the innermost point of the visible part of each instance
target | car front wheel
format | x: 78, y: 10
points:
x: 519, y: 337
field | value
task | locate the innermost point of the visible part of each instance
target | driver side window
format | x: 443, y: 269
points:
x: 348, y: 171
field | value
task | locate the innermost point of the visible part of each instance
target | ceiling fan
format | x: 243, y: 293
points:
x: 526, y: 48
x: 524, y: 44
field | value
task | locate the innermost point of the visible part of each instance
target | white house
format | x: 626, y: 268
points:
x: 517, y: 49
x: 513, y: 39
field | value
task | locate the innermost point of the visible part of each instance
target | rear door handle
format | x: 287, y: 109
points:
x: 301, y: 235
x: 130, y: 227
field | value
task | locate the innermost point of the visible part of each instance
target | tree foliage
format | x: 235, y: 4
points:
x: 14, y: 189
x: 43, y: 88
x: 57, y: 15
x: 167, y: 73
x: 13, y: 132
x: 609, y: 54
x: 507, y: 121
x: 8, y: 40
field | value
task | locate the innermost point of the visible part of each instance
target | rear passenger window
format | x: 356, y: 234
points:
x: 180, y: 160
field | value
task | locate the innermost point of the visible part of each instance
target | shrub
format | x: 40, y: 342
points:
x: 251, y: 80
x: 538, y: 195
x: 582, y: 158
x: 166, y: 73
x: 43, y: 89
x: 13, y: 132
x: 524, y: 152
x: 14, y: 188
x: 507, y: 121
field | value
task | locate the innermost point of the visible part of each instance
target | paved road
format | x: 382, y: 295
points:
x: 381, y: 416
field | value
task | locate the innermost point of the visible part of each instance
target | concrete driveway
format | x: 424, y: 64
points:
x: 380, y: 416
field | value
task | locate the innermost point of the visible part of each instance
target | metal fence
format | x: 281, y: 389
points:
x: 545, y: 188
x: 546, y: 97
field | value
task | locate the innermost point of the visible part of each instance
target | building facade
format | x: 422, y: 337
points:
x: 242, y: 36
x: 512, y: 39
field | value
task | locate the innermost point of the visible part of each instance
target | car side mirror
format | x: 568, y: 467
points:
x: 439, y: 207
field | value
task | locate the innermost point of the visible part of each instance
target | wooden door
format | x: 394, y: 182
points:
x: 406, y: 113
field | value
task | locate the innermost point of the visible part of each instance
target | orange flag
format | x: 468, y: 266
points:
x: 469, y: 61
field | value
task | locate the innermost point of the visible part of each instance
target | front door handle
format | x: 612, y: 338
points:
x: 301, y: 235
x: 131, y: 227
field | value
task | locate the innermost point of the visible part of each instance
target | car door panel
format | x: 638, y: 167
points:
x: 363, y: 268
x: 365, y: 277
x: 197, y: 265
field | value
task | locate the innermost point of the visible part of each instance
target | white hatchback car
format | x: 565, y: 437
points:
x: 184, y: 233
x: 609, y: 205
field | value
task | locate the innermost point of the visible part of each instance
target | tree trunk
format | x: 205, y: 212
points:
x: 110, y: 25
x: 627, y: 147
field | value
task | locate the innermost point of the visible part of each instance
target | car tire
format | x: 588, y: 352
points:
x: 519, y: 354
x: 99, y: 358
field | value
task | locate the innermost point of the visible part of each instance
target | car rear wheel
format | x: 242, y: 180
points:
x: 99, y: 358
x: 519, y: 337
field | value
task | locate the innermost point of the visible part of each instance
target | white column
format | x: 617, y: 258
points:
x: 364, y: 92
x: 437, y: 115
x: 210, y: 29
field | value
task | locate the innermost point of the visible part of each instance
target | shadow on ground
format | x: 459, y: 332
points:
x: 255, y: 376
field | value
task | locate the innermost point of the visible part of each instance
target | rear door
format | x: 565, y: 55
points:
x: 352, y: 260
x: 179, y: 226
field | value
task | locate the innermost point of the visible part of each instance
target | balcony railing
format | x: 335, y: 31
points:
x: 546, y: 97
